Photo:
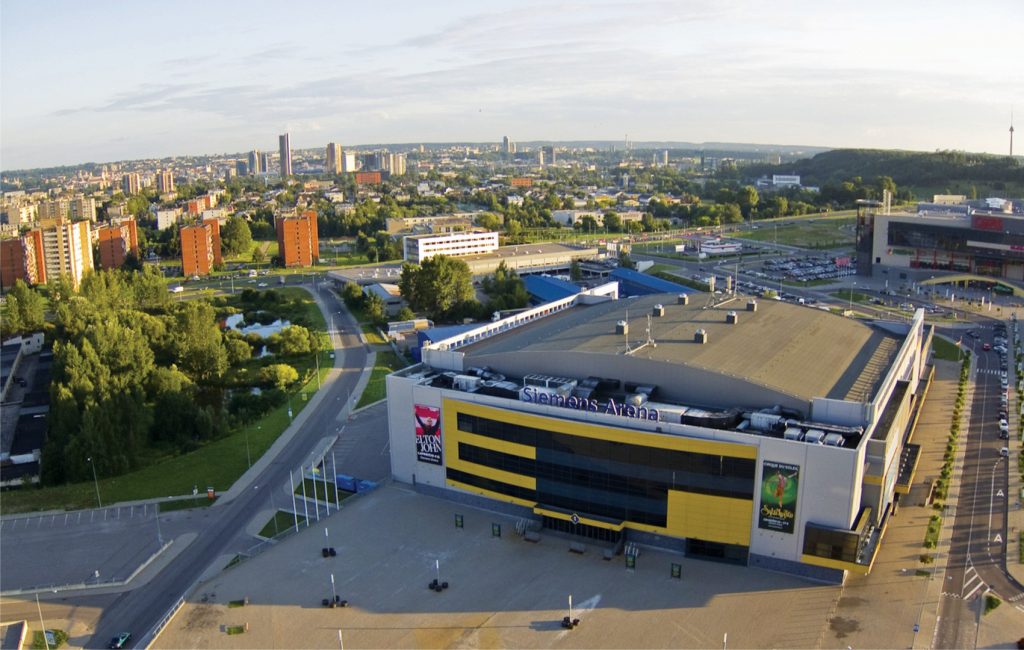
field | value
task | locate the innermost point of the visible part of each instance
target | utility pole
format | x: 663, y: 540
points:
x: 99, y: 504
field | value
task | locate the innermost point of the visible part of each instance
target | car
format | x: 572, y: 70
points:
x: 177, y: 289
x: 1004, y: 434
x: 1004, y: 452
x: 1003, y: 423
x: 972, y: 334
x: 121, y: 640
x: 262, y: 285
x: 986, y: 347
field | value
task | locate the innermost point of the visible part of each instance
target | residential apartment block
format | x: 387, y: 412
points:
x: 116, y: 240
x: 21, y: 258
x: 297, y: 241
x: 67, y: 249
x: 200, y: 248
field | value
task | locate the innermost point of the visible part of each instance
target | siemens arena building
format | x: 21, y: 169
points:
x: 756, y: 432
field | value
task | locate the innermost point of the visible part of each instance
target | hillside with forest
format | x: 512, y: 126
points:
x: 957, y: 171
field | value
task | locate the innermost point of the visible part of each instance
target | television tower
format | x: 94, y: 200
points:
x: 1011, y: 133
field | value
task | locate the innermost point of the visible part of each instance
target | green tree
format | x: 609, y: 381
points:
x: 575, y: 271
x: 352, y: 294
x: 278, y: 375
x: 489, y: 221
x: 437, y: 287
x: 292, y: 341
x: 27, y: 306
x: 258, y: 256
x: 238, y: 351
x: 748, y: 199
x: 235, y: 236
x: 405, y: 314
x: 197, y: 342
x: 612, y: 222
x: 505, y: 289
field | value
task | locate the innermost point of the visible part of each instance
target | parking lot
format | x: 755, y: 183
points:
x: 800, y: 269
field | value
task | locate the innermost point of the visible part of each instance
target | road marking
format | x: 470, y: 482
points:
x: 1000, y: 493
x: 998, y: 539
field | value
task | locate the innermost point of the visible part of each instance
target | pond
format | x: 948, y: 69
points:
x: 237, y: 322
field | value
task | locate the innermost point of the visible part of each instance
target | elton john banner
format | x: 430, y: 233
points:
x: 428, y: 434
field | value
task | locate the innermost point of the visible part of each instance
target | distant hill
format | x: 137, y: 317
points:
x: 906, y: 168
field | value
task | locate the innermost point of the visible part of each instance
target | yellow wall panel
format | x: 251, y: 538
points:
x: 711, y: 518
x: 588, y: 430
x: 497, y: 496
x: 527, y: 482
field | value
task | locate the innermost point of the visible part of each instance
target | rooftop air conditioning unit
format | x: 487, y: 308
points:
x: 751, y: 305
x: 732, y: 318
x: 622, y: 327
x: 683, y: 299
x: 700, y: 336
x: 658, y: 311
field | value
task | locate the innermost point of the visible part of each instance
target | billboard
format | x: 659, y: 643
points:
x: 428, y: 434
x: 780, y: 483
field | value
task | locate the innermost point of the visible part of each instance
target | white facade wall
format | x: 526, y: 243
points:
x: 419, y: 248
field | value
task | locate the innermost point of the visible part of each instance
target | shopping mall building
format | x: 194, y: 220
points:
x: 754, y: 432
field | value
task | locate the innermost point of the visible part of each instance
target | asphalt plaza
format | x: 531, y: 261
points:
x: 504, y: 592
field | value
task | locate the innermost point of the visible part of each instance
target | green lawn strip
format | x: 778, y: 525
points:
x: 844, y: 294
x: 285, y: 521
x: 40, y: 642
x: 235, y: 629
x: 376, y: 390
x: 200, y: 501
x: 931, y: 537
x: 808, y: 283
x: 943, y: 349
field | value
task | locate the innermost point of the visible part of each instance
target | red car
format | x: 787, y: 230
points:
x: 986, y: 347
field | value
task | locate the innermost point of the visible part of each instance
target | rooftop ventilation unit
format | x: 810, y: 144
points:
x: 622, y: 327
x: 683, y: 299
x: 732, y: 318
x: 658, y: 311
x: 815, y: 436
x: 751, y: 305
x: 834, y: 440
x: 700, y: 336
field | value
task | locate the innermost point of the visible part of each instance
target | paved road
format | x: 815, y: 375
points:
x: 140, y: 609
x: 977, y: 556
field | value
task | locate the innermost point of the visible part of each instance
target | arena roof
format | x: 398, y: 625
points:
x: 802, y: 351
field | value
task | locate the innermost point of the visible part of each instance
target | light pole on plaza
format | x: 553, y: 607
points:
x: 95, y: 481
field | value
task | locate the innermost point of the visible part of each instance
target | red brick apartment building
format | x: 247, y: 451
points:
x: 21, y: 258
x: 200, y: 248
x: 116, y: 240
x: 297, y: 241
x: 368, y: 178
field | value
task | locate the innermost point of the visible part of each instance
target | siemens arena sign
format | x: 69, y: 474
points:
x: 530, y: 394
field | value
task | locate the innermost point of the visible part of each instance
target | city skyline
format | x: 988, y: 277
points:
x: 232, y: 76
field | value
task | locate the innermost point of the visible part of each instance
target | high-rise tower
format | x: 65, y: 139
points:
x: 1011, y: 133
x: 284, y: 143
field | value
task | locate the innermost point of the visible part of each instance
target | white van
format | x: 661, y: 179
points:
x: 1004, y: 452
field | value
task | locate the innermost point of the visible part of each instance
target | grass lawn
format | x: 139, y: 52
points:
x: 844, y: 294
x: 944, y: 349
x: 812, y: 233
x: 386, y: 363
x: 369, y: 330
x: 808, y: 283
x: 280, y: 522
x: 200, y: 501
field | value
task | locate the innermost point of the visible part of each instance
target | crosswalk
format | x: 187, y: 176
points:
x: 989, y: 371
x: 972, y: 583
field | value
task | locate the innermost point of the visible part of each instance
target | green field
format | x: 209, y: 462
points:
x: 945, y: 350
x: 831, y: 232
x: 279, y: 523
x: 386, y: 363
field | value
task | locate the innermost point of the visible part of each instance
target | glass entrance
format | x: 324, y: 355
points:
x: 583, y: 530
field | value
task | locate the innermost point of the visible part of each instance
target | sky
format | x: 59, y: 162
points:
x: 103, y: 81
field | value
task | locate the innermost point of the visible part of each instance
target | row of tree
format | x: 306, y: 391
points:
x: 136, y: 375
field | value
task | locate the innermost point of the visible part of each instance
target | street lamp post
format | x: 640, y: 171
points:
x: 850, y: 309
x: 95, y: 481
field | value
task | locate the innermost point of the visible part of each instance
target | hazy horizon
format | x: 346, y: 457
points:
x: 108, y: 81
